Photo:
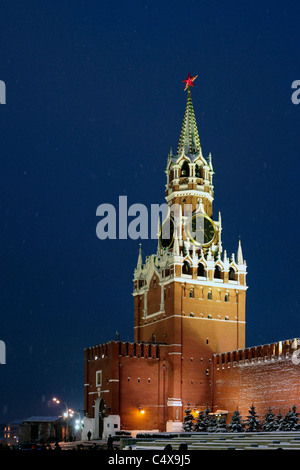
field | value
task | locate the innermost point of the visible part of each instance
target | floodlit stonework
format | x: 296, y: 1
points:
x: 189, y: 321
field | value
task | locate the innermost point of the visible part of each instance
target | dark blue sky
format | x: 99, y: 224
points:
x: 95, y: 100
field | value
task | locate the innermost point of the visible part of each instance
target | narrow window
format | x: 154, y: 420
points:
x: 231, y: 274
x: 98, y: 378
x: 200, y: 270
x: 197, y: 171
x: 185, y: 169
x: 186, y: 268
x: 226, y: 297
x: 217, y: 274
x: 209, y: 295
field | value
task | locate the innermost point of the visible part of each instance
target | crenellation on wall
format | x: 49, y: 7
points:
x: 141, y: 350
x: 257, y: 354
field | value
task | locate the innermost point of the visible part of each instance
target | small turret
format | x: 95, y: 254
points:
x: 240, y: 259
x: 140, y: 260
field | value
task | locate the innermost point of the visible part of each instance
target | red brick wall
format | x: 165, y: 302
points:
x: 261, y: 376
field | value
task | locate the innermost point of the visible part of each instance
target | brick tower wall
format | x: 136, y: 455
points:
x: 133, y: 379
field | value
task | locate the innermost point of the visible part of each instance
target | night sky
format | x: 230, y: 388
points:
x: 95, y: 101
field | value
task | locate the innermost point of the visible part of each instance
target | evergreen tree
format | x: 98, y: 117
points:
x: 294, y: 419
x: 212, y: 427
x: 252, y: 422
x: 284, y: 424
x: 200, y: 425
x: 235, y: 424
x: 188, y: 420
x: 277, y: 421
x: 290, y: 421
x: 207, y: 417
x: 269, y: 423
x: 203, y: 421
x: 221, y: 425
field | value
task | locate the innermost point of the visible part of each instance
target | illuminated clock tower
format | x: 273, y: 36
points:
x: 190, y: 295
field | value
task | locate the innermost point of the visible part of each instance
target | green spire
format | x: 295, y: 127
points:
x: 189, y: 140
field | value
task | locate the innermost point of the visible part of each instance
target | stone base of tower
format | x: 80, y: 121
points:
x: 174, y: 426
x: 174, y: 415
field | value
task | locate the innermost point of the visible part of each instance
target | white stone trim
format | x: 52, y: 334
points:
x: 191, y: 318
x: 207, y: 283
x: 191, y: 192
x: 174, y: 402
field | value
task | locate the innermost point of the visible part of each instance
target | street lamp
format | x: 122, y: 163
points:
x: 67, y: 414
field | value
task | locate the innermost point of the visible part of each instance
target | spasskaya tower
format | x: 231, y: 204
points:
x: 189, y: 304
x: 190, y: 295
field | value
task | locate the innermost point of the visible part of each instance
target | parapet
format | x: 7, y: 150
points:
x: 123, y: 349
x: 265, y: 352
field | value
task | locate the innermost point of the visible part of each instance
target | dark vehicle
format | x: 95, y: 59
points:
x: 29, y: 446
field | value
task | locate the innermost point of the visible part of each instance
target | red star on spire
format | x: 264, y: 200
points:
x: 189, y: 81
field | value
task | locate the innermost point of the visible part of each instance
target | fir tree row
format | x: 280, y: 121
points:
x: 206, y: 422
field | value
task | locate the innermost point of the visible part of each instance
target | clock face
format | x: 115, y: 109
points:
x: 201, y: 230
x: 166, y: 235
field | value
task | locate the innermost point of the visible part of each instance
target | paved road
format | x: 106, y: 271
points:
x: 85, y: 445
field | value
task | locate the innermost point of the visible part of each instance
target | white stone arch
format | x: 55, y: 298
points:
x: 99, y: 418
x: 232, y: 268
x: 204, y: 264
x: 152, y: 269
x: 218, y: 268
x: 187, y: 261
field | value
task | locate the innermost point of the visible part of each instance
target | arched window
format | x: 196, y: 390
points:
x: 192, y: 293
x: 226, y: 297
x: 197, y: 171
x: 217, y: 274
x: 209, y: 295
x: 231, y: 274
x: 200, y: 271
x: 186, y: 268
x: 185, y: 170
